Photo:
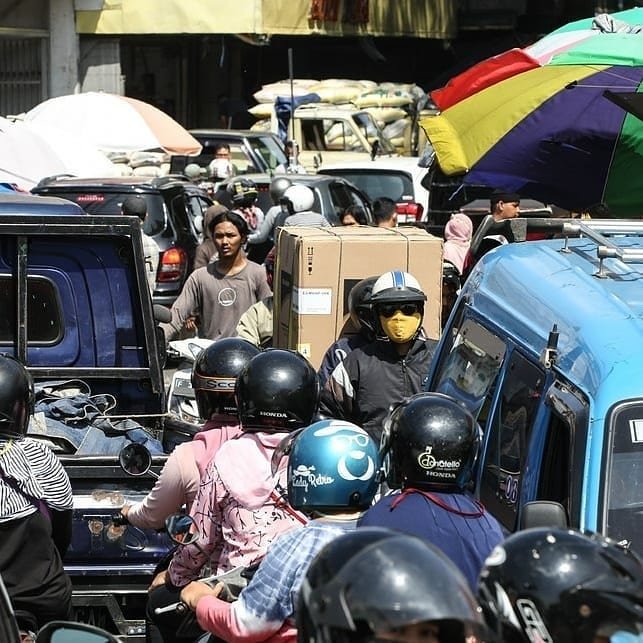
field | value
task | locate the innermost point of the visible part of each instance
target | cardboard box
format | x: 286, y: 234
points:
x: 315, y: 269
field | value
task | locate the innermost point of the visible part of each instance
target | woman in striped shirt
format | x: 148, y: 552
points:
x: 35, y: 506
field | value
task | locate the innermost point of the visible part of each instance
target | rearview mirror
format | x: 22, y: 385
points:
x: 136, y: 460
x: 181, y: 529
x: 61, y: 632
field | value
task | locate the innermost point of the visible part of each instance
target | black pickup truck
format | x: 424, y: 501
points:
x: 79, y: 314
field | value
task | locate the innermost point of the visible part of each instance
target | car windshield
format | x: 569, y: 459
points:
x: 623, y: 514
x: 101, y: 202
x: 373, y: 132
x: 376, y: 183
x: 269, y: 150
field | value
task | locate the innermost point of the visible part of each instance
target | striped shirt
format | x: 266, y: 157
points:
x: 34, y: 472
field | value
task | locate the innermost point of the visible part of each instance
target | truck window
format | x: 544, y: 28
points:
x: 623, y: 506
x: 553, y: 480
x: 472, y: 365
x: 509, y: 430
x: 43, y: 311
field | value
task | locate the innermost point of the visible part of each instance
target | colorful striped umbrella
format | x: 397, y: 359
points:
x: 593, y: 41
x: 549, y: 133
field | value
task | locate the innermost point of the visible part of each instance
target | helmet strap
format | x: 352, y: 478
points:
x: 440, y: 503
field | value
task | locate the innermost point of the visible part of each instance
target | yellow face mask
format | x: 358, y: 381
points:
x: 400, y: 328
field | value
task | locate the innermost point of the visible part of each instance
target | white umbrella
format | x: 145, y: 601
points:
x: 115, y: 123
x: 79, y: 156
x: 29, y: 153
x: 25, y: 157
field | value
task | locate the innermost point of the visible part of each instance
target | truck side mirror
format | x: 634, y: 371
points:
x: 136, y: 460
x: 543, y: 513
x: 375, y: 149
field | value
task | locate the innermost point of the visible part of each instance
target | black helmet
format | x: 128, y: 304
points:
x: 451, y: 275
x: 16, y: 397
x: 243, y: 192
x: 374, y: 580
x: 278, y: 391
x: 360, y: 308
x: 432, y: 442
x: 215, y: 372
x: 560, y: 585
x: 278, y: 186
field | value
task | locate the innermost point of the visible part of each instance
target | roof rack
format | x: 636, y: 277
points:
x: 606, y: 248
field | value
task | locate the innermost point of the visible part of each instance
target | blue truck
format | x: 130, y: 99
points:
x: 545, y: 346
x: 79, y: 314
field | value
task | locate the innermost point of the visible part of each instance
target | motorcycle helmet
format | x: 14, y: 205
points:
x: 243, y: 192
x: 298, y: 198
x: 430, y: 441
x: 341, y: 454
x: 558, y: 585
x: 214, y: 375
x: 359, y: 306
x: 277, y: 391
x: 16, y: 397
x: 220, y: 169
x: 277, y: 188
x: 374, y: 581
x: 397, y: 290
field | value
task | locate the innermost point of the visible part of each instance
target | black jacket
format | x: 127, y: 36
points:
x: 374, y: 377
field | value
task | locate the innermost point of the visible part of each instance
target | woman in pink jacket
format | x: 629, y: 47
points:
x: 239, y: 509
x: 213, y: 379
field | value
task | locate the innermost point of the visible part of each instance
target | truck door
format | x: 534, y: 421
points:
x: 508, y: 435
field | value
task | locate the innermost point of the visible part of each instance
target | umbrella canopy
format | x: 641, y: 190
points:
x: 29, y: 153
x: 549, y: 133
x: 115, y: 123
x: 25, y: 157
x: 607, y: 39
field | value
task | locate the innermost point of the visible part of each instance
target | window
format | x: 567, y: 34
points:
x: 471, y: 367
x: 43, y: 311
x: 623, y: 512
x: 509, y: 432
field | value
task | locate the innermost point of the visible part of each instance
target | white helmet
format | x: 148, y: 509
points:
x: 301, y: 198
x: 220, y: 169
x: 396, y: 286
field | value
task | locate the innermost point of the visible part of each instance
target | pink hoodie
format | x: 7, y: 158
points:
x: 179, y: 479
x: 457, y: 235
x: 238, y: 510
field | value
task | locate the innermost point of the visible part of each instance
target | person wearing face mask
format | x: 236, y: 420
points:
x: 392, y: 367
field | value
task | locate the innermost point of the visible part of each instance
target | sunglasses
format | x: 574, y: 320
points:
x: 388, y: 310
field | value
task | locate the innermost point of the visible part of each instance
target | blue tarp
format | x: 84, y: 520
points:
x: 284, y: 107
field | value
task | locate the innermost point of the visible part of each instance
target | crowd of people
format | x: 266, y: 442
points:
x: 346, y: 492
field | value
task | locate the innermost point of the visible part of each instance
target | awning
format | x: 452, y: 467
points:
x: 410, y: 18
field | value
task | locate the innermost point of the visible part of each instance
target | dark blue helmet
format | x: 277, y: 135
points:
x: 333, y: 464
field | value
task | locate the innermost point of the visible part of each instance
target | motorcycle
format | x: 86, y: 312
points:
x: 180, y: 398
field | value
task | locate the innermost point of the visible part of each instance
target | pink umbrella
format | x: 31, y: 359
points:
x: 115, y: 123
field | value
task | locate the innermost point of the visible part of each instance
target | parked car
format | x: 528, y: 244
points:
x: 251, y: 151
x: 544, y: 347
x: 175, y: 211
x: 398, y: 178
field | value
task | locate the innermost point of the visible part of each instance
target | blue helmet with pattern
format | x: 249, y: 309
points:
x: 333, y: 464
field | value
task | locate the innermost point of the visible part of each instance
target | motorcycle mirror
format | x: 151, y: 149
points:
x: 61, y: 632
x: 136, y: 460
x: 181, y: 529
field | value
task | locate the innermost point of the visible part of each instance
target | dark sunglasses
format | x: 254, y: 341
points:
x: 388, y: 310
